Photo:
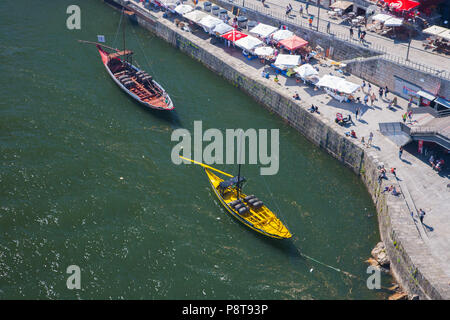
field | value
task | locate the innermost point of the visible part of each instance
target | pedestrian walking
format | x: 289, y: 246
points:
x: 372, y: 98
x: 362, y: 141
x: 410, y: 103
x: 369, y: 87
x: 362, y: 36
x: 386, y: 90
x: 310, y: 20
x: 366, y: 99
x: 421, y: 215
x: 404, y: 117
x: 351, y: 32
x: 369, y: 142
x: 393, y: 172
x: 301, y: 10
x: 410, y: 116
x: 400, y: 152
x: 307, y: 6
x: 359, y: 32
x: 380, y: 92
x: 328, y: 26
x: 356, y: 113
x: 363, y: 86
x: 394, y: 101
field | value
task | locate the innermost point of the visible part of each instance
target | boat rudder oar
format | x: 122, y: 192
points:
x: 206, y: 166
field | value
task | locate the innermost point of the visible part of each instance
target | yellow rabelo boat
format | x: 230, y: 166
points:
x: 246, y: 208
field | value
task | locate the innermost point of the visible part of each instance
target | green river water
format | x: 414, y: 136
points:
x: 86, y: 179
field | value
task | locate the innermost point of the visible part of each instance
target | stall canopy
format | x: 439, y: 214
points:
x: 306, y: 71
x: 234, y: 35
x: 222, y: 28
x: 281, y: 35
x: 445, y: 35
x: 382, y: 17
x: 183, y: 9
x: 293, y: 43
x: 434, y: 30
x: 263, y: 30
x: 209, y: 22
x: 287, y: 61
x: 341, y: 5
x: 264, y: 51
x: 338, y: 84
x: 393, y: 22
x: 438, y: 31
x: 195, y: 16
x: 402, y: 5
x: 248, y: 43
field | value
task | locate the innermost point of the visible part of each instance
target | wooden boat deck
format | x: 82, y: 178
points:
x: 145, y: 95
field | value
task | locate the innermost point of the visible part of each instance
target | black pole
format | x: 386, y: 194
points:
x: 238, y: 183
x: 123, y: 30
x: 318, y: 14
x: 409, y: 45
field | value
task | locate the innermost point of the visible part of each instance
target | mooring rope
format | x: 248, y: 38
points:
x: 117, y: 31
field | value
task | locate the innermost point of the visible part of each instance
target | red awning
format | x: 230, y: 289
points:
x: 402, y: 5
x: 234, y: 35
x: 293, y: 43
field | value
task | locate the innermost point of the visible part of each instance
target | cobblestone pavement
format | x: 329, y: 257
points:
x: 393, y: 48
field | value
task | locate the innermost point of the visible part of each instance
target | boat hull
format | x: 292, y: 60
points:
x: 167, y: 105
x: 269, y: 226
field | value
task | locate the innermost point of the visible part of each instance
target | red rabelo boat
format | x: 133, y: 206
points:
x: 137, y: 83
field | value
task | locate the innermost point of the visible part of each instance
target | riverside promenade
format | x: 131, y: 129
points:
x: 420, y: 253
x: 390, y: 48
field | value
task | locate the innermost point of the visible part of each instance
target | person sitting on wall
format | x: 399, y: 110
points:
x: 296, y: 96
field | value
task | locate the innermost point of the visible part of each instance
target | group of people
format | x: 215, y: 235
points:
x: 392, y: 189
x: 436, y: 164
x: 313, y: 109
x: 361, y: 33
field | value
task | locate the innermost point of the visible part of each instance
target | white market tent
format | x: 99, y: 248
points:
x: 263, y: 30
x: 209, y: 22
x: 281, y: 35
x: 264, y: 51
x: 194, y: 16
x: 287, y: 61
x: 393, y: 22
x: 248, y: 43
x: 167, y: 3
x: 306, y: 71
x: 438, y: 32
x: 381, y: 17
x: 434, y: 30
x: 445, y: 35
x: 183, y: 9
x: 222, y: 28
x: 338, y: 84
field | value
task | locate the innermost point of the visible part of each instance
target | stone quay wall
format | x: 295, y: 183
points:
x: 383, y: 72
x: 398, y: 232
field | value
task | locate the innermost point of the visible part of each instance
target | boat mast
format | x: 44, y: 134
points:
x: 238, y: 185
x: 123, y: 30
